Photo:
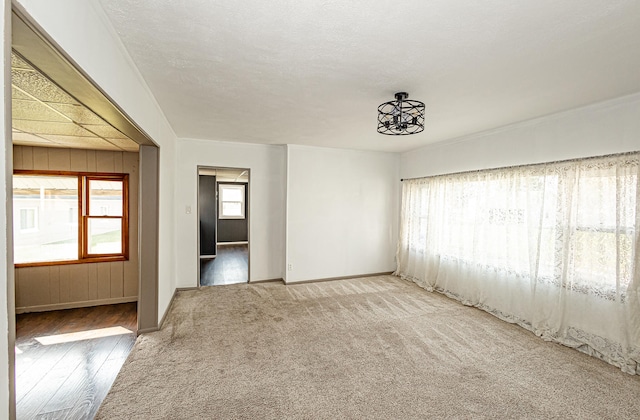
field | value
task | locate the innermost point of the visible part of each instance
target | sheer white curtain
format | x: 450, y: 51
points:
x: 551, y: 247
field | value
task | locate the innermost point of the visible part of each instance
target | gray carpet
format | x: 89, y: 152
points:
x: 376, y: 347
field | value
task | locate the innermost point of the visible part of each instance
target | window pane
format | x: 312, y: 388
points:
x: 232, y: 193
x: 28, y: 219
x: 105, y: 198
x: 43, y: 228
x: 104, y: 236
x: 232, y: 209
x: 231, y: 200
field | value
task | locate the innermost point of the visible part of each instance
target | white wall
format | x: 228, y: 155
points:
x: 266, y: 204
x: 82, y: 30
x: 342, y: 212
x: 604, y: 128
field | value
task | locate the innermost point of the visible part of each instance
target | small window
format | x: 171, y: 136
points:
x: 29, y: 219
x: 103, y: 220
x: 231, y: 201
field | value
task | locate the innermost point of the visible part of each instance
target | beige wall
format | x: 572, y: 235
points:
x: 74, y: 285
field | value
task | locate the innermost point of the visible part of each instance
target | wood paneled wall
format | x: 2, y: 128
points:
x: 76, y: 285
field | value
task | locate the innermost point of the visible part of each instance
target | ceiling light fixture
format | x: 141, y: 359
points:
x: 401, y: 117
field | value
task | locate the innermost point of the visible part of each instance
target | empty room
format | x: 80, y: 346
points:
x: 322, y: 209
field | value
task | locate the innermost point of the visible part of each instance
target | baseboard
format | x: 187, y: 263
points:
x: 73, y: 305
x: 164, y: 317
x: 267, y: 281
x: 148, y: 330
x: 386, y: 273
x: 185, y: 289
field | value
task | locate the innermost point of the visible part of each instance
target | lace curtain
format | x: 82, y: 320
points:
x: 551, y: 247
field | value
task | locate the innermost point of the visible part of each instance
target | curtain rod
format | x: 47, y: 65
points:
x: 523, y: 165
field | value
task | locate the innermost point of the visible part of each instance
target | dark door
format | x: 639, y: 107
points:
x: 207, y: 211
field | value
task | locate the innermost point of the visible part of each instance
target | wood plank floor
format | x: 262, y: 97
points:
x: 230, y: 266
x: 69, y: 380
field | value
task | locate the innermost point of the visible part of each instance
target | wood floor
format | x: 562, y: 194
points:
x: 230, y: 266
x: 69, y: 380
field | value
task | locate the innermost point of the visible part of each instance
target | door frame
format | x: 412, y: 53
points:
x: 247, y: 215
x: 84, y: 88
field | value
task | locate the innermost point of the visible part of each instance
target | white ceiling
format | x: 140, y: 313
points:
x: 314, y: 71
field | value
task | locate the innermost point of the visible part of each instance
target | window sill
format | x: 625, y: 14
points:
x: 90, y: 260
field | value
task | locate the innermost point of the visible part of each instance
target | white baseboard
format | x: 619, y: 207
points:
x: 386, y: 273
x: 280, y: 280
x: 72, y: 305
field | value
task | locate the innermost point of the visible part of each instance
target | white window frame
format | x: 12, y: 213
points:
x: 241, y: 188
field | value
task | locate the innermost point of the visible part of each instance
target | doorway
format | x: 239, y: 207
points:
x: 223, y: 217
x: 80, y: 304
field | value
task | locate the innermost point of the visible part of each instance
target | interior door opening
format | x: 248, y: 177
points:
x: 223, y: 220
x: 84, y: 287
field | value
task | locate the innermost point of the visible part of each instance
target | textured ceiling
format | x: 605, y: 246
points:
x: 313, y: 72
x: 44, y: 115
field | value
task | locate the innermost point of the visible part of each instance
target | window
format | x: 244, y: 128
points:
x: 571, y: 226
x: 66, y: 218
x: 231, y: 201
x: 104, y: 216
x: 29, y: 219
x: 552, y: 247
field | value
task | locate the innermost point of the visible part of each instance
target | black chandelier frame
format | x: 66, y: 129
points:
x: 401, y: 117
